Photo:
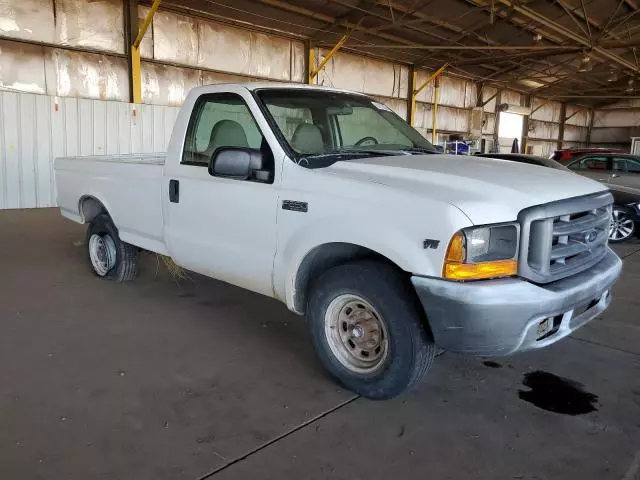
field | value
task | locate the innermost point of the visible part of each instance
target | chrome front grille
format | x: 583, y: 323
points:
x: 562, y: 238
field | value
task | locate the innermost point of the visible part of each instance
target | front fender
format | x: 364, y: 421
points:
x: 404, y: 248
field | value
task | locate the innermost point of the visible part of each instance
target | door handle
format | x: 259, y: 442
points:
x: 614, y: 175
x: 174, y: 191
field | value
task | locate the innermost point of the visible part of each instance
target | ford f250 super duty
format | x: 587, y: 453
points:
x: 331, y: 203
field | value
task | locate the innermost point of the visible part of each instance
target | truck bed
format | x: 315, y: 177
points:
x: 129, y: 186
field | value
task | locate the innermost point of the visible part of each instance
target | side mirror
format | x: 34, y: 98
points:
x: 235, y: 162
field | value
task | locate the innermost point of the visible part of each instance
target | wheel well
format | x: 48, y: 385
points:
x: 324, y: 257
x: 90, y: 208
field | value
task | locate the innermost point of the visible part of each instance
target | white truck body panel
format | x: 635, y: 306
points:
x: 487, y: 190
x: 129, y: 186
x: 289, y: 194
x: 384, y: 204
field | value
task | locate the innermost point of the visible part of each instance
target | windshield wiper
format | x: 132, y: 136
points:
x: 314, y: 160
x: 371, y: 151
x: 426, y: 150
x: 353, y: 153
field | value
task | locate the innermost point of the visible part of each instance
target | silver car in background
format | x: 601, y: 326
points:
x: 620, y: 172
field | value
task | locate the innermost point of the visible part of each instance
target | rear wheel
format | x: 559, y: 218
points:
x: 110, y: 257
x: 622, y: 225
x: 367, y: 329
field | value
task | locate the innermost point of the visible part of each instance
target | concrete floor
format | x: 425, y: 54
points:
x: 159, y: 380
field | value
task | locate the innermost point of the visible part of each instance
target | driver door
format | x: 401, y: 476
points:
x: 222, y: 227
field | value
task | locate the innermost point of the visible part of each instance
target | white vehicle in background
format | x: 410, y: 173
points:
x: 329, y: 202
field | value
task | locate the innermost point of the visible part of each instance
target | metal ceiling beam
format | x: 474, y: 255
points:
x: 605, y: 28
x: 370, y: 12
x: 578, y: 13
x: 572, y: 16
x: 622, y: 22
x: 532, y: 15
x: 586, y: 15
x: 522, y: 56
x: 630, y: 97
x: 522, y: 23
x: 569, y: 49
x: 451, y: 59
x: 427, y: 18
x: 403, y: 23
x: 475, y: 27
x: 526, y: 24
x: 349, y: 25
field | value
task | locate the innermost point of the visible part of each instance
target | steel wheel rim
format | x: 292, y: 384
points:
x: 621, y: 226
x: 102, y: 252
x: 357, y: 334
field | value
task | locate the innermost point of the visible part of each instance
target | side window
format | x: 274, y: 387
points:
x: 590, y: 163
x: 367, y: 123
x: 219, y: 120
x: 619, y: 164
x: 633, y: 166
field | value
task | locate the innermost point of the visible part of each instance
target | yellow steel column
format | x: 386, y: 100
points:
x: 136, y: 81
x: 412, y: 98
x: 434, y: 122
x: 415, y: 92
x: 313, y: 72
x: 312, y: 64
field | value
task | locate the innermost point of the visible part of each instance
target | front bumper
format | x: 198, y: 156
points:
x: 504, y: 316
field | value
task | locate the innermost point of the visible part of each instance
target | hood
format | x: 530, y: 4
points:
x: 487, y: 190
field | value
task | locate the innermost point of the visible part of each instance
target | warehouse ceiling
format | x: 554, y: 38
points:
x: 583, y: 51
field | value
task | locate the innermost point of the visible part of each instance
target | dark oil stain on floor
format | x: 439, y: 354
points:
x: 557, y: 394
x: 491, y: 364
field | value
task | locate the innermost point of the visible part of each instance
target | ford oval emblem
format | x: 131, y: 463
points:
x: 591, y: 236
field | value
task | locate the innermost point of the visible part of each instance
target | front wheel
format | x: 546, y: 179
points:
x: 622, y: 225
x: 110, y: 257
x: 368, y: 330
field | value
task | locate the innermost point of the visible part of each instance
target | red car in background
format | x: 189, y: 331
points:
x: 565, y: 154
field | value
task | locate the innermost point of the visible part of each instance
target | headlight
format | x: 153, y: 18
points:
x: 479, y: 253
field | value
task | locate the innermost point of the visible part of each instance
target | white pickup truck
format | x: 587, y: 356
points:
x: 328, y: 201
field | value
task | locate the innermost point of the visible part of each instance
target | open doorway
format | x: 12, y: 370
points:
x: 509, y: 128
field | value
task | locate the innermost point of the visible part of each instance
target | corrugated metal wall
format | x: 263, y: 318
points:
x: 615, y: 125
x: 180, y: 52
x: 200, y: 51
x: 35, y: 129
x: 457, y: 96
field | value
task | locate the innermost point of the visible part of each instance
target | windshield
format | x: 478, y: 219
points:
x: 323, y: 127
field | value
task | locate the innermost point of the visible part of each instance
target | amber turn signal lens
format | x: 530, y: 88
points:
x: 480, y: 271
x: 456, y: 252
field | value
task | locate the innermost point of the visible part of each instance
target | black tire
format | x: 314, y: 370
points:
x: 126, y: 255
x: 410, y: 347
x: 623, y: 227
